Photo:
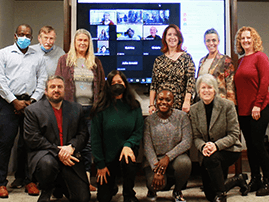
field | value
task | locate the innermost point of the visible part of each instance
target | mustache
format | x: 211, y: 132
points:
x: 48, y: 44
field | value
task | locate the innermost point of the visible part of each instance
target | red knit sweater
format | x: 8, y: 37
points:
x: 251, y: 82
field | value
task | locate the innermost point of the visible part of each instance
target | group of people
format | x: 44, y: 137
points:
x: 82, y: 114
x: 227, y: 100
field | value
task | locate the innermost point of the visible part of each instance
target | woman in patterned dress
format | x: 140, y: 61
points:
x: 174, y: 70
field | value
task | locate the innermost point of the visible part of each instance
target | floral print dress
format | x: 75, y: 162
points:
x: 175, y: 75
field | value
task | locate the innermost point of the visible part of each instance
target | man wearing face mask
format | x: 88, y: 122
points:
x: 22, y: 82
x: 46, y: 47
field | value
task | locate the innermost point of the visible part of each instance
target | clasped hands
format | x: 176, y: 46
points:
x: 159, y: 171
x: 65, y: 155
x: 20, y: 105
x: 125, y: 153
x: 209, y: 149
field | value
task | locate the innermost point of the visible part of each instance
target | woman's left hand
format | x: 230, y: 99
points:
x: 161, y: 165
x: 127, y: 152
x: 186, y: 107
x: 256, y: 113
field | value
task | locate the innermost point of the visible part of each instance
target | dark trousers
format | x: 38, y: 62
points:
x: 86, y: 153
x: 254, y: 133
x: 22, y: 163
x: 177, y: 173
x: 50, y: 172
x: 214, y: 169
x: 105, y: 191
x: 9, y: 124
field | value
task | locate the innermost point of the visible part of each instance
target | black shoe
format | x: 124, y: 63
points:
x: 255, y: 184
x: 222, y: 197
x: 57, y: 193
x: 17, y: 183
x: 131, y: 199
x: 264, y: 190
x: 242, y: 178
x: 237, y: 180
x: 178, y: 196
x: 45, y: 196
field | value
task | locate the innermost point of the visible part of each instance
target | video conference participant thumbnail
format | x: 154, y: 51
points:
x: 129, y: 48
x: 102, y: 17
x: 130, y: 63
x: 134, y: 33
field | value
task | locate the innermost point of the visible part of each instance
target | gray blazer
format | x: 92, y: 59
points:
x: 223, y: 128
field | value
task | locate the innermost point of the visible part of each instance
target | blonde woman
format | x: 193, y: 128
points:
x: 84, y: 78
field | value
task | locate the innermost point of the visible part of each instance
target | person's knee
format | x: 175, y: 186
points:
x: 130, y: 166
x: 182, y: 162
x: 211, y: 161
x: 47, y: 167
x: 47, y: 163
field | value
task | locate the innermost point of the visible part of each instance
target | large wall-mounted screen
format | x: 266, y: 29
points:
x: 127, y: 36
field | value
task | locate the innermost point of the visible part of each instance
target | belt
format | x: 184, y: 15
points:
x: 23, y: 97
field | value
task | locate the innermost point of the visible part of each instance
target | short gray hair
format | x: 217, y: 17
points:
x: 209, y: 80
x: 211, y: 31
x: 52, y: 77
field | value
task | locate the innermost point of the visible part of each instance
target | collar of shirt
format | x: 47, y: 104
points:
x: 17, y: 50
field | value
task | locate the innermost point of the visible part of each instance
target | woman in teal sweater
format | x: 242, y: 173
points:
x: 117, y: 128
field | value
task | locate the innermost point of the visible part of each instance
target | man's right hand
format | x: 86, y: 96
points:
x: 19, y: 106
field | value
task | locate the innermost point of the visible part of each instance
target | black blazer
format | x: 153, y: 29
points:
x: 42, y: 136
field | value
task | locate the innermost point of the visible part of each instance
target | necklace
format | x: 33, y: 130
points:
x: 163, y: 120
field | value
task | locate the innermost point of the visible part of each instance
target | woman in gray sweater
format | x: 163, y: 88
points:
x: 167, y: 138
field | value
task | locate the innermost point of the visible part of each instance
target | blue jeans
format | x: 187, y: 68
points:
x: 87, y: 151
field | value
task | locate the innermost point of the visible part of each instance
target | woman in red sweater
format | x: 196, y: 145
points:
x: 251, y: 82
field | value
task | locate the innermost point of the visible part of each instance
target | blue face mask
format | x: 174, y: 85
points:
x: 23, y: 42
x: 46, y: 50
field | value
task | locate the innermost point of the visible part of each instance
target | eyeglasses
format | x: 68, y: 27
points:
x: 29, y: 36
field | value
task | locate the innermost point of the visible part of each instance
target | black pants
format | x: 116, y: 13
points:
x: 105, y: 191
x: 51, y: 172
x: 214, y: 169
x: 254, y: 132
x: 9, y: 125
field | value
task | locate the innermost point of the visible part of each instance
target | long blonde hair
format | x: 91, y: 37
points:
x: 72, y: 53
x: 257, y: 41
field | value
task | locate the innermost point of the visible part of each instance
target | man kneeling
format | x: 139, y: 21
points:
x: 55, y: 133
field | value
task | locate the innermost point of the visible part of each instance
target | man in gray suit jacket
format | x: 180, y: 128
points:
x: 55, y: 132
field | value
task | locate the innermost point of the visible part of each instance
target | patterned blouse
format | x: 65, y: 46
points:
x: 177, y: 76
x: 223, y: 70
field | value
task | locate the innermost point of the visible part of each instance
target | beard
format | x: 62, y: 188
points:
x: 56, y: 101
